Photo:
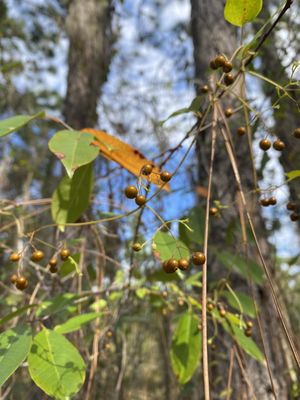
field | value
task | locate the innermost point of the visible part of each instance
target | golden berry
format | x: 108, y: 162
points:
x: 228, y: 79
x: 183, y: 264
x: 198, y: 258
x: 227, y: 66
x: 136, y: 247
x: 170, y: 265
x: 147, y: 169
x: 21, y: 283
x: 279, y: 145
x: 14, y: 278
x: 228, y: 112
x: 241, y: 131
x: 131, y: 192
x: 64, y: 254
x: 265, y: 144
x: 165, y: 176
x: 37, y: 255
x: 15, y: 257
x: 140, y: 200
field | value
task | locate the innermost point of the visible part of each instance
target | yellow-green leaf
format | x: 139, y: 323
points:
x: 239, y: 12
x: 12, y: 124
x: 74, y: 149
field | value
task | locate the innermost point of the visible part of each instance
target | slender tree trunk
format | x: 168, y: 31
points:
x: 213, y: 35
x: 87, y: 25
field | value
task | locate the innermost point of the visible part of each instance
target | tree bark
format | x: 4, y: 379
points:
x: 87, y: 25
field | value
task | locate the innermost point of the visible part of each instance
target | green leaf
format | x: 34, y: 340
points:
x: 16, y: 313
x: 246, y: 343
x: 72, y: 196
x: 14, y: 348
x: 12, y: 124
x: 193, y: 107
x: 75, y: 323
x: 141, y: 292
x: 55, y: 365
x: 169, y: 247
x: 245, y: 301
x: 293, y: 174
x: 246, y: 267
x: 186, y: 347
x: 194, y: 280
x: 74, y: 149
x: 239, y: 12
x: 196, y: 221
x: 69, y: 265
x: 57, y: 304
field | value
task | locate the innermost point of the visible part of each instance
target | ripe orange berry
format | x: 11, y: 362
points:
x: 213, y: 211
x: 204, y: 89
x: 52, y: 262
x: 228, y: 112
x: 227, y: 66
x: 131, y: 192
x: 220, y: 60
x: 165, y: 176
x: 264, y: 202
x: 136, y: 247
x: 272, y: 201
x: 241, y: 131
x: 265, y: 144
x: 170, y: 265
x: 228, y: 79
x: 13, y: 278
x: 64, y: 254
x: 183, y: 264
x: 198, y: 258
x: 15, y: 257
x: 297, y: 133
x: 147, y: 169
x: 37, y: 255
x: 279, y: 145
x: 291, y: 206
x: 140, y: 200
x: 21, y: 283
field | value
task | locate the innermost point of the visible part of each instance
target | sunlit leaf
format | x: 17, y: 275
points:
x: 73, y: 148
x: 186, y: 347
x: 239, y: 12
x: 125, y: 155
x: 55, y: 365
x: 168, y: 246
x: 75, y: 323
x: 14, y: 348
x: 293, y: 174
x: 12, y: 124
x: 69, y: 266
x: 72, y: 196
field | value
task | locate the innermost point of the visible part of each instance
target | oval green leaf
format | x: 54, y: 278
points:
x: 74, y: 149
x: 186, y: 347
x: 239, y: 12
x: 12, y: 124
x: 169, y: 247
x: 14, y: 348
x: 72, y: 196
x: 55, y: 365
x: 75, y: 323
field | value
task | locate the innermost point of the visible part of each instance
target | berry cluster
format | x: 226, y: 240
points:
x: 131, y: 191
x: 171, y: 265
x: 294, y: 216
x: 21, y: 282
x: 266, y: 144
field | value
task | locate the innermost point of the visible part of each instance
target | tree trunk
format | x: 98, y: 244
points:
x: 87, y: 25
x: 212, y: 35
